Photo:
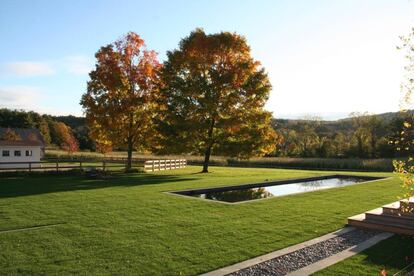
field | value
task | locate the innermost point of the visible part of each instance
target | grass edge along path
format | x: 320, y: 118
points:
x: 391, y: 255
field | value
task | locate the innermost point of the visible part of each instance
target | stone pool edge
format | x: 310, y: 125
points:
x: 277, y: 182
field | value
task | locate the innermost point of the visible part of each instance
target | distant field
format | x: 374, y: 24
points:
x: 128, y: 225
x: 384, y: 165
x: 60, y: 153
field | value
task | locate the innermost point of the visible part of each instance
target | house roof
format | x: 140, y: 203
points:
x: 21, y: 143
x: 29, y: 137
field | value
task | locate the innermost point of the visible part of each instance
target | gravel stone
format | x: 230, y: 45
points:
x: 303, y: 257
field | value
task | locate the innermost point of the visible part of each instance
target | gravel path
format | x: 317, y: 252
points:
x: 295, y: 260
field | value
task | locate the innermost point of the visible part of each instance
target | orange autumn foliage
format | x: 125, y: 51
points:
x: 120, y: 100
x: 213, y: 98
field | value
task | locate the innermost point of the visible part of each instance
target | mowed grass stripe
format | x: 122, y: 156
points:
x: 34, y: 227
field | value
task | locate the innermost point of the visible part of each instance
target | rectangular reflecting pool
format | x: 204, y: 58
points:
x: 275, y: 188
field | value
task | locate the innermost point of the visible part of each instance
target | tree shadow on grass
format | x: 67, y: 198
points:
x: 42, y: 184
x: 394, y: 253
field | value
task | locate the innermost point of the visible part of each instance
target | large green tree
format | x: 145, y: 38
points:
x: 213, y: 98
x: 119, y: 102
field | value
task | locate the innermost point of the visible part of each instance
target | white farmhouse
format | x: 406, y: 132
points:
x: 18, y: 154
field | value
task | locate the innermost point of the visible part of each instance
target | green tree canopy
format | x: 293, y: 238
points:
x: 213, y: 98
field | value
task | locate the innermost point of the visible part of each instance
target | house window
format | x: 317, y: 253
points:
x: 17, y: 153
x: 5, y: 153
x: 29, y: 153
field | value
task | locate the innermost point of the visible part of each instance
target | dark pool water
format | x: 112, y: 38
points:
x: 239, y: 193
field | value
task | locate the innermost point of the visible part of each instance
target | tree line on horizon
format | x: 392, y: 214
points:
x: 362, y: 135
x: 367, y: 137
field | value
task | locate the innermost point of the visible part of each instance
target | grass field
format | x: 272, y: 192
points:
x: 127, y: 225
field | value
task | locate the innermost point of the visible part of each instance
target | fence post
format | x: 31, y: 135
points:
x: 30, y: 166
x: 57, y: 166
x: 103, y: 165
x: 80, y: 165
x: 152, y: 165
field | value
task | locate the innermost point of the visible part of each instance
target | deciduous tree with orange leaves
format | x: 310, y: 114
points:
x: 212, y: 99
x: 120, y: 100
x: 64, y: 138
x: 70, y: 145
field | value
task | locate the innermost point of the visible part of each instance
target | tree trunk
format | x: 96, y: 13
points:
x: 206, y: 159
x: 130, y: 143
x: 129, y: 159
x: 207, y: 152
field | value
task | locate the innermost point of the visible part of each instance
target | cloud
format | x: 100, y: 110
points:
x: 73, y: 65
x: 28, y: 69
x: 29, y: 98
x: 77, y: 65
x: 19, y: 97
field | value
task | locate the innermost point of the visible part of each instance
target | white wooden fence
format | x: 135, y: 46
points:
x: 161, y: 165
x: 105, y: 164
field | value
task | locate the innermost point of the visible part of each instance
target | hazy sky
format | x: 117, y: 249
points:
x: 323, y: 57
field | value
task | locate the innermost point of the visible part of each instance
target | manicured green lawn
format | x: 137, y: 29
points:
x: 129, y: 226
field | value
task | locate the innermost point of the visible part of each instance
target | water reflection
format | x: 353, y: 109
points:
x: 236, y: 195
